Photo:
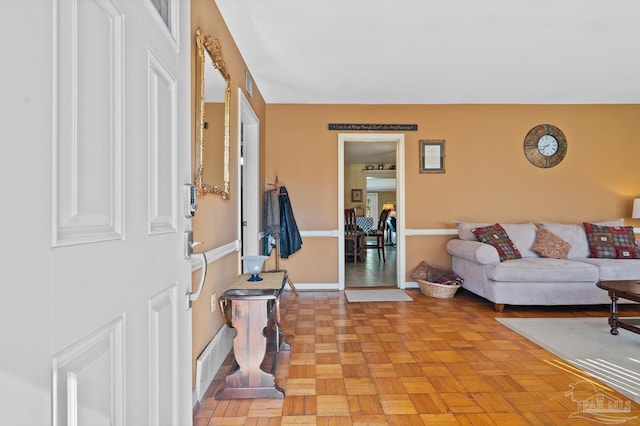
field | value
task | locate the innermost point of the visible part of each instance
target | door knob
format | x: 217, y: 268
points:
x: 189, y: 244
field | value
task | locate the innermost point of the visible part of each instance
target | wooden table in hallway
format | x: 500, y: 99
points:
x: 253, y: 309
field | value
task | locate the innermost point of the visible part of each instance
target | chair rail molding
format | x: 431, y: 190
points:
x: 408, y: 232
x: 432, y: 231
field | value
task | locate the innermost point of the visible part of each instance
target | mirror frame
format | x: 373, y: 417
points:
x: 213, y: 47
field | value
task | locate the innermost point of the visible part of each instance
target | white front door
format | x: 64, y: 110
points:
x: 103, y: 319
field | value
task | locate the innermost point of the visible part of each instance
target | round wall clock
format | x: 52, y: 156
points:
x: 545, y: 146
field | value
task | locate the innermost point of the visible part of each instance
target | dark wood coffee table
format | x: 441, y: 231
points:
x: 629, y: 290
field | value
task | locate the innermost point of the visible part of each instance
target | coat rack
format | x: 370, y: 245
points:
x: 277, y: 185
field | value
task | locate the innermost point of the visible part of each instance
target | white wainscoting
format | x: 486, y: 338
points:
x: 210, y: 361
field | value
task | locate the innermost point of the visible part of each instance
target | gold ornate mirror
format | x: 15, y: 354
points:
x: 213, y: 85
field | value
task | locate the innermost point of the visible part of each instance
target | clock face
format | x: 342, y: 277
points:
x: 545, y: 146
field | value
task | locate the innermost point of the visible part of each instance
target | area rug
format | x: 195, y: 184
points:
x: 387, y: 295
x: 587, y: 344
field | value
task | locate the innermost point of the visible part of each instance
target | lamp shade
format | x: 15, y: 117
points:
x: 636, y: 209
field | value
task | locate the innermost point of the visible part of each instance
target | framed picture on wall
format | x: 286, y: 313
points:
x: 356, y: 195
x: 431, y: 156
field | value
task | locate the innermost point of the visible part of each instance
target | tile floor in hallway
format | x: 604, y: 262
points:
x: 429, y: 361
x: 373, y: 272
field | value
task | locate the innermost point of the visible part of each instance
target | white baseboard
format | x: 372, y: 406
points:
x: 334, y: 286
x: 210, y: 361
x: 313, y: 286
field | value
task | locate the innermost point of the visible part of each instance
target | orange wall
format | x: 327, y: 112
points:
x: 487, y: 177
x: 216, y: 221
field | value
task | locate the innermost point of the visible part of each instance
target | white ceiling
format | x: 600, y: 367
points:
x: 439, y: 51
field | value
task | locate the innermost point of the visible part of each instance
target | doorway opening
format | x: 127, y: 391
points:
x: 249, y: 195
x: 370, y: 179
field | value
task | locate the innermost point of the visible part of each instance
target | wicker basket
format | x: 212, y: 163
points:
x: 439, y: 291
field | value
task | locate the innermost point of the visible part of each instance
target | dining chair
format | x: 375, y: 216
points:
x: 378, y: 234
x: 353, y: 237
x: 391, y: 230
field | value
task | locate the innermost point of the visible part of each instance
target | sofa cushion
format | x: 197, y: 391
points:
x: 615, y: 269
x: 496, y: 236
x: 575, y: 235
x: 523, y: 235
x: 542, y: 270
x: 548, y: 244
x: 611, y: 242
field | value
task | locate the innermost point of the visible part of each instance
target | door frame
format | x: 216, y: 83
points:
x: 249, y: 195
x: 374, y: 202
x: 399, y: 140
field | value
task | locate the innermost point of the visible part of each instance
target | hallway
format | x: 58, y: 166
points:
x: 373, y: 272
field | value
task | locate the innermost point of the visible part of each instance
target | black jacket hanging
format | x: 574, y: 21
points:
x: 290, y: 239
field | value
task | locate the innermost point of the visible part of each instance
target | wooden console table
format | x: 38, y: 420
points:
x: 629, y: 290
x: 253, y: 310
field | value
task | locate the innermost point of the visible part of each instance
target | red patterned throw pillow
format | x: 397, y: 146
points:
x: 496, y: 236
x: 611, y: 242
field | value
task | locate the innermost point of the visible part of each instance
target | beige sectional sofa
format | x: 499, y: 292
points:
x: 533, y: 279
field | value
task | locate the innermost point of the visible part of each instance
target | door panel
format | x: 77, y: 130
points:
x: 88, y: 138
x: 162, y: 147
x: 89, y: 379
x: 163, y: 341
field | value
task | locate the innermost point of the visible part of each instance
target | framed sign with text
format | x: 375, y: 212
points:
x: 431, y: 156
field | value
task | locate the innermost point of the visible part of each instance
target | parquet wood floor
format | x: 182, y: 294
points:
x: 430, y: 361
